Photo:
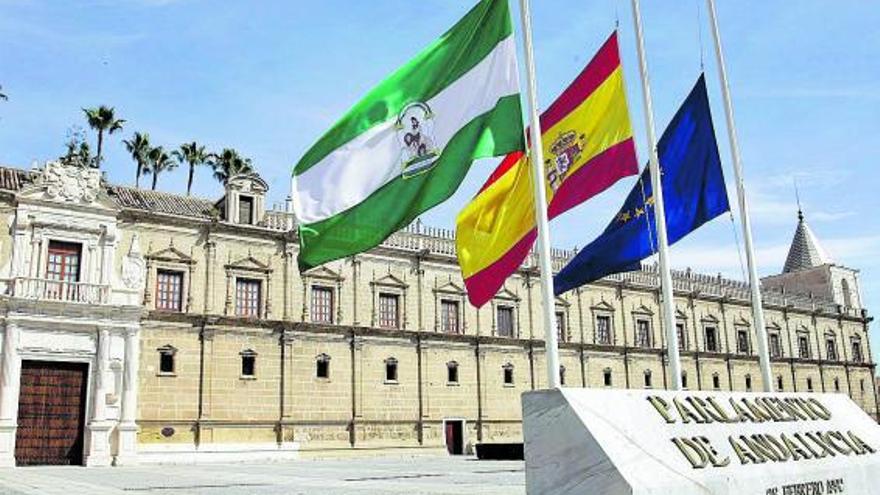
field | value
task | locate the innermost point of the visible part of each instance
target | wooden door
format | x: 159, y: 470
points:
x: 454, y: 437
x: 51, y: 413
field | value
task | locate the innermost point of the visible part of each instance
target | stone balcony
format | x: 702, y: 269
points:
x: 42, y: 289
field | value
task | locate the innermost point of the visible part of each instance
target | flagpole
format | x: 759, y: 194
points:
x: 543, y: 247
x: 668, y: 312
x: 754, y: 281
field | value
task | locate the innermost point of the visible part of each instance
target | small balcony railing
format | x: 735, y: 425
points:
x: 56, y: 290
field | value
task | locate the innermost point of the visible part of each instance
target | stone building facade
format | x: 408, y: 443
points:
x: 171, y: 327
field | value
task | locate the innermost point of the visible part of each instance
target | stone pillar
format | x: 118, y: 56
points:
x: 127, y: 450
x: 98, y: 428
x: 10, y: 379
x: 210, y: 259
x: 35, y: 257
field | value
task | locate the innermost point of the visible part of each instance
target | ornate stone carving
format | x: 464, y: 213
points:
x: 72, y: 184
x: 133, y: 265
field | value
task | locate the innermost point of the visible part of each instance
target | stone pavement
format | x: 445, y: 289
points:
x: 410, y: 475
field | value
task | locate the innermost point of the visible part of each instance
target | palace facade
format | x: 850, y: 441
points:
x: 140, y: 326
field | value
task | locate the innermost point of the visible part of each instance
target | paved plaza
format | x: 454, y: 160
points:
x: 410, y: 475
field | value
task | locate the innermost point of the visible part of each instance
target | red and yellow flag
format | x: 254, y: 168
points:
x: 588, y: 146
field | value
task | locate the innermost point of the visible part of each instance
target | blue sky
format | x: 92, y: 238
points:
x: 269, y: 77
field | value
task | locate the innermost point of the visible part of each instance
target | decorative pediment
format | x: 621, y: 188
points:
x: 248, y: 183
x: 71, y: 185
x: 249, y: 263
x: 561, y: 301
x: 390, y: 280
x: 325, y: 273
x: 171, y: 254
x: 643, y: 310
x: 742, y: 322
x: 451, y: 287
x: 773, y: 326
x: 603, y: 306
x: 680, y: 315
x: 506, y: 294
x: 710, y: 319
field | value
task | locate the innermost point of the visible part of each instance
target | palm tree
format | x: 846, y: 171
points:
x: 194, y: 155
x: 160, y: 161
x: 229, y: 163
x: 102, y: 119
x: 139, y: 147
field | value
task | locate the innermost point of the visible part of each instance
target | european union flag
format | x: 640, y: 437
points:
x: 693, y: 190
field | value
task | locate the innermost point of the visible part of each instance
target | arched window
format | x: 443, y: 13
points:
x: 562, y: 376
x: 248, y: 363
x: 452, y: 373
x: 779, y: 385
x: 716, y: 381
x: 507, y: 369
x: 748, y: 383
x: 167, y: 355
x: 606, y: 377
x: 847, y: 293
x: 647, y: 378
x: 322, y: 366
x: 684, y: 379
x: 391, y: 370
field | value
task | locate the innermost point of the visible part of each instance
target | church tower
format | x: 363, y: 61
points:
x: 809, y: 270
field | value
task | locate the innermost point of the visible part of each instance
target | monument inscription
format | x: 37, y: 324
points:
x: 661, y: 442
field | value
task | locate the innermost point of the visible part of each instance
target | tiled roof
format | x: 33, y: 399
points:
x: 13, y: 179
x: 160, y: 202
x: 805, y: 251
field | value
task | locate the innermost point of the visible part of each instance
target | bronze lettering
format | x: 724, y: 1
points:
x: 819, y: 409
x: 711, y: 453
x: 743, y: 412
x: 745, y: 456
x: 821, y: 443
x: 797, y: 453
x: 692, y: 452
x: 864, y: 447
x: 806, y: 445
x: 662, y: 407
x: 686, y: 413
x: 721, y: 412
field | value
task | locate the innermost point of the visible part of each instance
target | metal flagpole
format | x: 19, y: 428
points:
x: 754, y: 281
x: 668, y: 312
x: 543, y: 247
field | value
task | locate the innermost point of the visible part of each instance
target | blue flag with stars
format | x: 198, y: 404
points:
x: 693, y: 190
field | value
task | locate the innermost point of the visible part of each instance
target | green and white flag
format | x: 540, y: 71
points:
x: 407, y: 145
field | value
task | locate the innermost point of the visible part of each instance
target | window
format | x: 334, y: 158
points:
x: 803, y: 346
x: 837, y: 384
x: 716, y: 381
x: 748, y: 383
x: 169, y: 290
x: 847, y: 293
x: 862, y: 385
x: 684, y: 379
x: 711, y: 339
x: 830, y: 348
x: 508, y: 374
x: 63, y: 262
x: 452, y: 373
x: 449, y: 316
x: 166, y: 359
x: 322, y: 304
x: 742, y: 341
x: 643, y: 333
x: 682, y: 336
x: 562, y: 376
x: 248, y: 363
x: 245, y: 209
x: 809, y: 384
x: 322, y: 366
x: 648, y: 379
x: 389, y: 310
x: 561, y: 329
x: 247, y: 297
x: 779, y: 385
x: 606, y: 377
x: 857, y: 350
x: 603, y: 329
x: 391, y: 370
x: 505, y: 321
x: 775, y: 346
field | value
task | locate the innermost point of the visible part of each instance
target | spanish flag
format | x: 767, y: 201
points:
x: 588, y: 146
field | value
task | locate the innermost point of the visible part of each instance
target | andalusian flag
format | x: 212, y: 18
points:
x: 408, y: 144
x: 588, y: 146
